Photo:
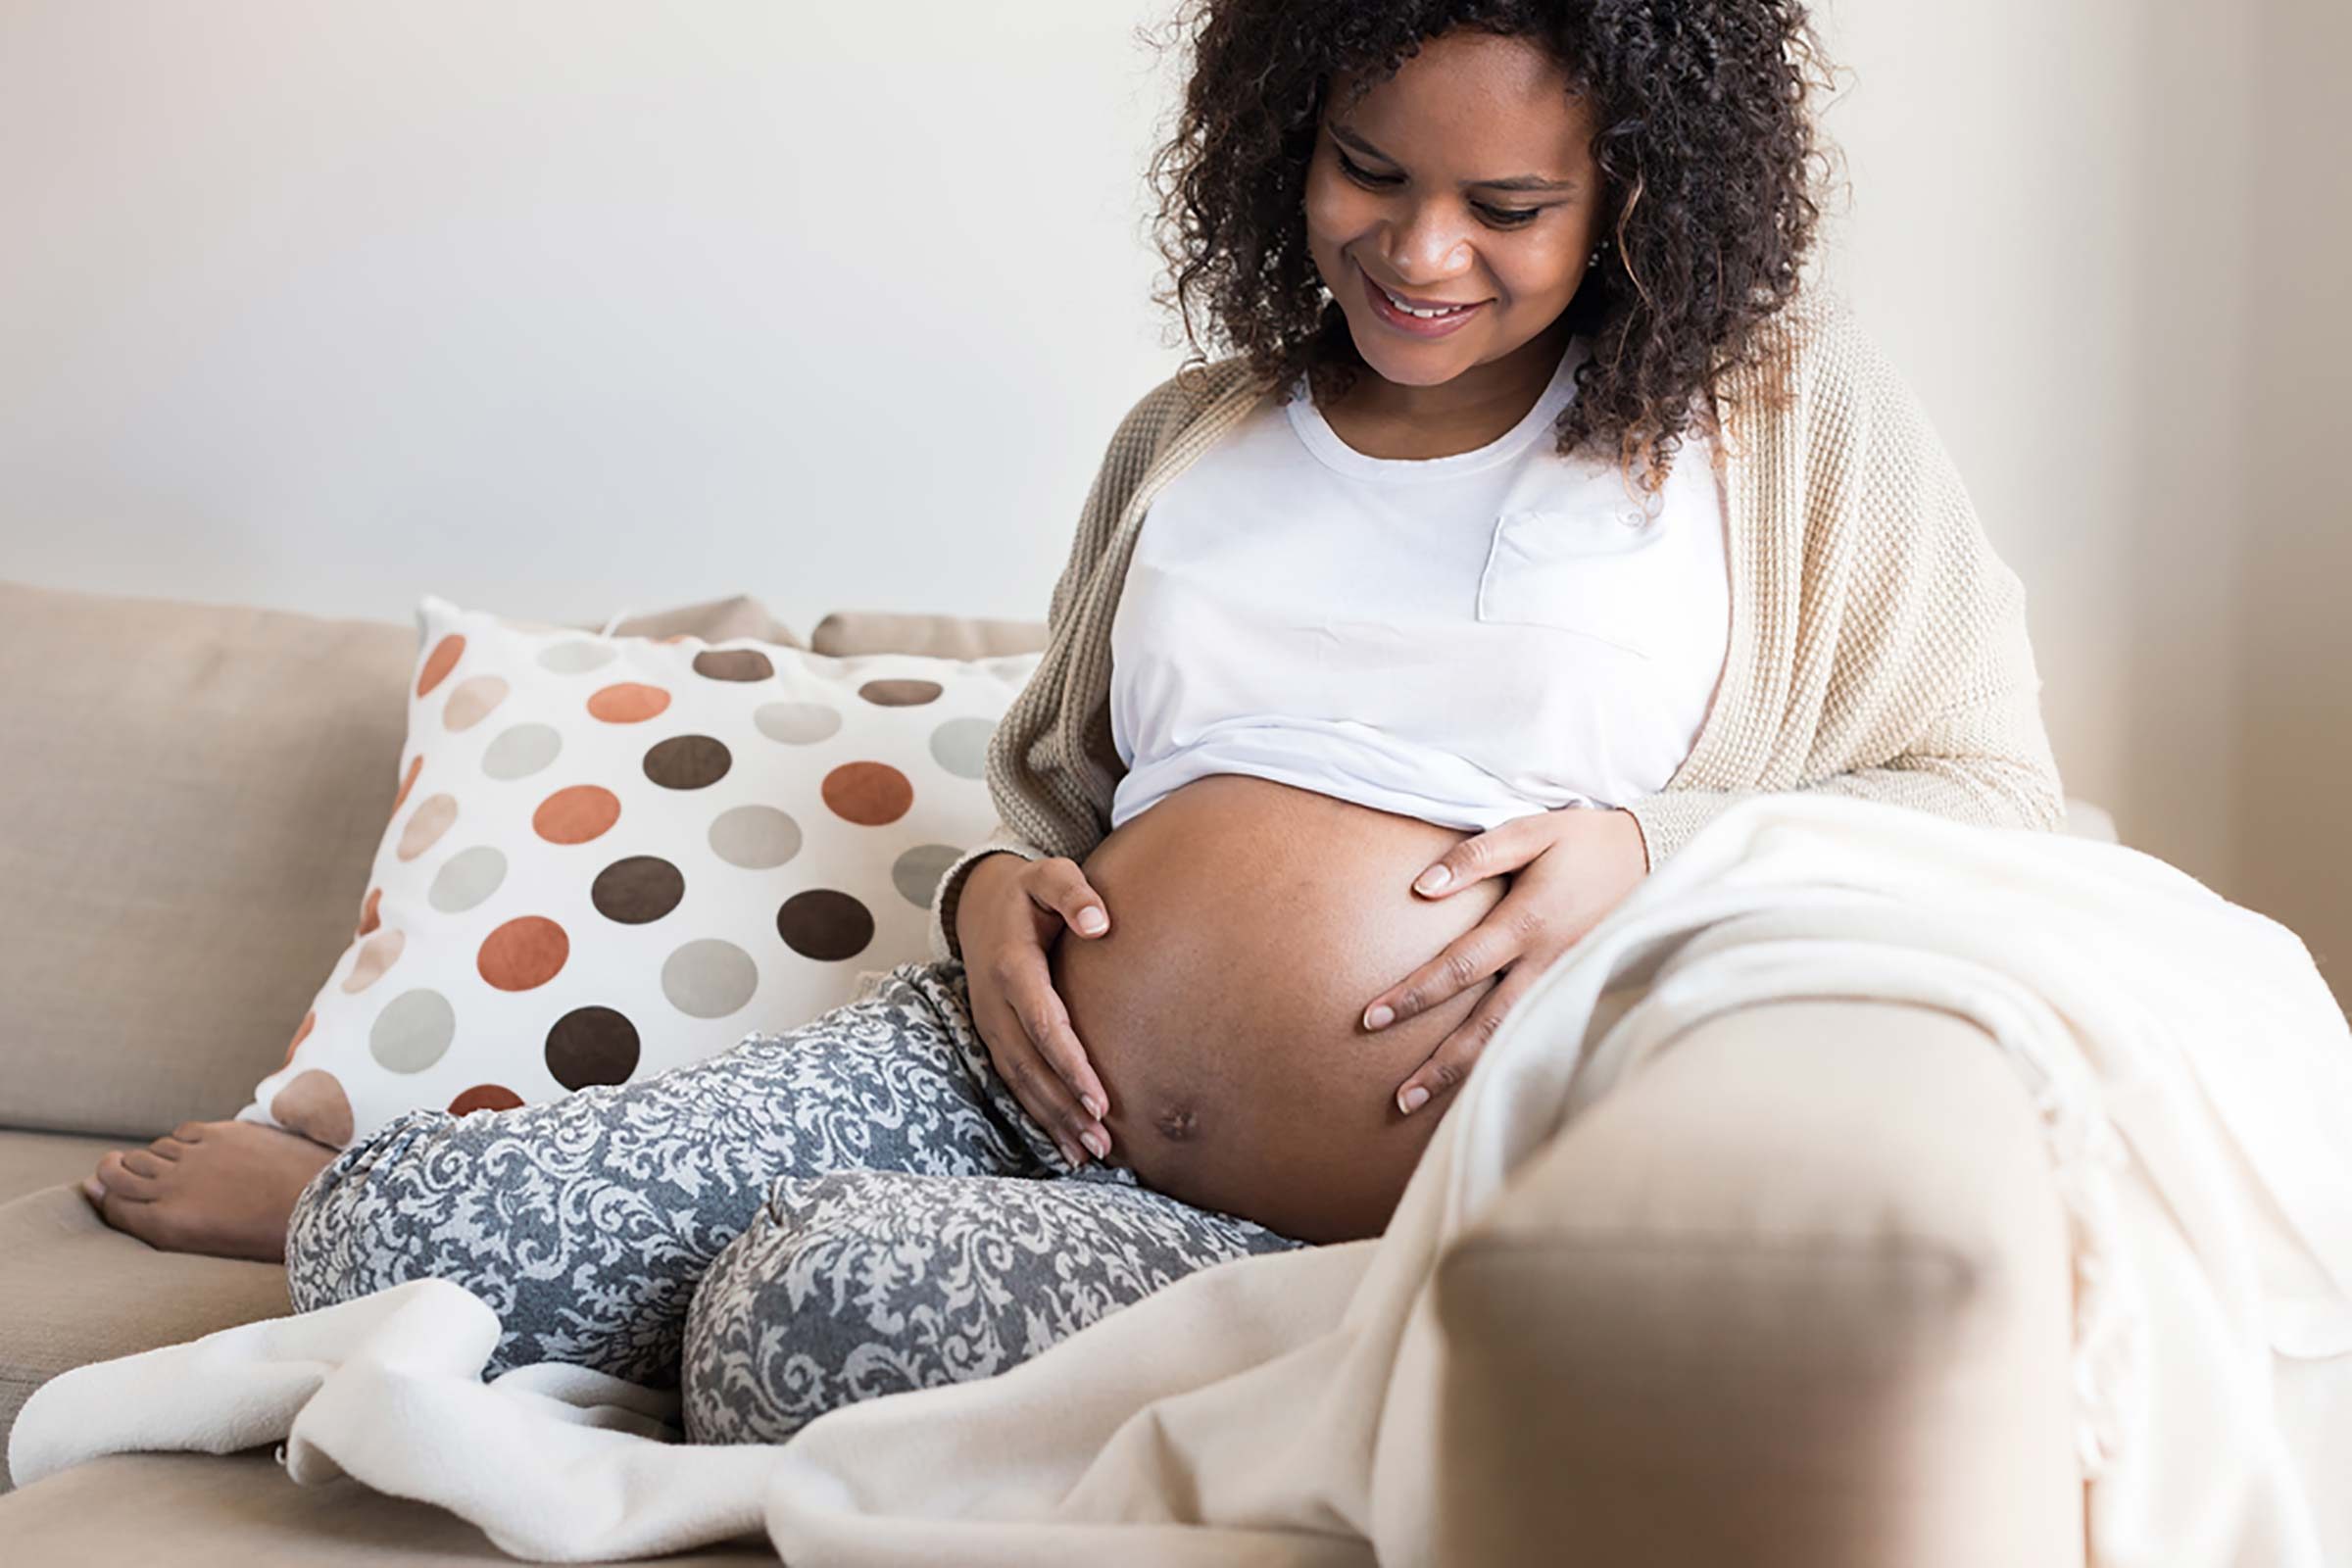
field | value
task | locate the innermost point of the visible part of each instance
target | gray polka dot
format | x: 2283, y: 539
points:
x: 469, y: 877
x: 798, y: 723
x: 961, y: 746
x: 571, y: 659
x: 758, y: 838
x: 917, y: 874
x: 521, y: 750
x: 413, y: 1032
x: 709, y: 978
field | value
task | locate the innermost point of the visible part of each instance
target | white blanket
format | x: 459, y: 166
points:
x: 2182, y: 1047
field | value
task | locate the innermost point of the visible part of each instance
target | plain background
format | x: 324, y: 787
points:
x: 564, y: 307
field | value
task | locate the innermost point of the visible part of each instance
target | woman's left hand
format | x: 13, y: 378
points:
x: 1574, y: 865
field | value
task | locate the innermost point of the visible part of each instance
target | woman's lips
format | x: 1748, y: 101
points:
x: 1413, y: 325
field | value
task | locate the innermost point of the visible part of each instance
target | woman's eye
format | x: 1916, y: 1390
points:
x: 1501, y: 217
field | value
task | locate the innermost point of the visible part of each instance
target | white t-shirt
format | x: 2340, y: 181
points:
x: 1463, y: 639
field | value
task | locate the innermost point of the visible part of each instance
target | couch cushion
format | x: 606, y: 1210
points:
x: 848, y: 633
x: 192, y: 798
x: 193, y: 1510
x: 77, y: 1291
x: 30, y: 1161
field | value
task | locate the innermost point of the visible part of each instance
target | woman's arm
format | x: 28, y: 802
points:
x: 1030, y: 774
x: 1987, y: 762
x: 1914, y: 679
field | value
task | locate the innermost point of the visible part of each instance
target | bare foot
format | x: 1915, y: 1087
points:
x: 222, y: 1187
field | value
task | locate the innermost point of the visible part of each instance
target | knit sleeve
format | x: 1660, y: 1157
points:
x: 1967, y: 764
x: 1025, y: 764
x: 1932, y: 697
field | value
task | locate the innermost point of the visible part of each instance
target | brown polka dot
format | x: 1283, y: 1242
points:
x: 309, y: 1021
x: 376, y: 955
x: 484, y: 1097
x: 369, y: 920
x: 627, y: 703
x: 688, y: 762
x: 637, y: 889
x: 577, y: 815
x: 416, y: 763
x: 314, y: 1106
x: 900, y: 693
x: 440, y: 661
x: 591, y: 1046
x: 733, y: 664
x: 868, y: 794
x: 825, y: 924
x: 425, y: 826
x: 528, y: 950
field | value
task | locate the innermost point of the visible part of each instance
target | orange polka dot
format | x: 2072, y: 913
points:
x: 440, y: 661
x: 309, y: 1021
x: 528, y: 950
x: 577, y: 815
x: 416, y: 764
x: 868, y: 794
x: 425, y: 826
x: 485, y: 1097
x: 627, y: 703
x: 378, y: 953
x: 368, y: 918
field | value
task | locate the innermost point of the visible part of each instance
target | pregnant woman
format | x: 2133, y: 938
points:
x: 1538, y: 517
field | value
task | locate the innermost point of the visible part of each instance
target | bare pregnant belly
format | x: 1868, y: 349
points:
x: 1250, y: 924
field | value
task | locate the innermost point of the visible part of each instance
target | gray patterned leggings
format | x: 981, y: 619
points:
x: 852, y: 1208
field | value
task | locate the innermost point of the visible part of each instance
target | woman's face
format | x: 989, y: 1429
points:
x: 1419, y: 186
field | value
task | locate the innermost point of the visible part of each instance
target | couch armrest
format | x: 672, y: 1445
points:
x: 1797, y: 1292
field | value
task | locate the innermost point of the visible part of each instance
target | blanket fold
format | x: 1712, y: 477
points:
x: 2194, y: 1081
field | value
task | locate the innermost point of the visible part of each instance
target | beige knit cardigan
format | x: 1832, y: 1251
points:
x: 1878, y: 644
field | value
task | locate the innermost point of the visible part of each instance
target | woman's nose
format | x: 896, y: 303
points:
x: 1427, y: 249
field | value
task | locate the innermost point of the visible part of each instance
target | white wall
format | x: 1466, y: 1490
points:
x: 2292, y: 745
x: 559, y: 308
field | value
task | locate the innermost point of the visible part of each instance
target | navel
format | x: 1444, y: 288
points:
x: 1178, y: 1124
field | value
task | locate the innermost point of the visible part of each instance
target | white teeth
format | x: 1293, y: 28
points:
x: 1426, y: 315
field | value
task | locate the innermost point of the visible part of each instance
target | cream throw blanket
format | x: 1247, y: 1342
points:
x: 1282, y: 1409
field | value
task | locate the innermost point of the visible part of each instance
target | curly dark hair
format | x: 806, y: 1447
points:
x: 1706, y: 144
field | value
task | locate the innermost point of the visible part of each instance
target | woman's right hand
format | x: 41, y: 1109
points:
x: 1010, y: 911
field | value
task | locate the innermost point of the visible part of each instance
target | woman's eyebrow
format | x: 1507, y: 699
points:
x: 1515, y: 182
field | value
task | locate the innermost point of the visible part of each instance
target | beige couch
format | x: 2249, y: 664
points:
x: 1798, y: 1295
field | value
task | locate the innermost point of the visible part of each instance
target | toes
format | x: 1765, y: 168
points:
x: 189, y: 1132
x: 122, y: 1180
x: 145, y: 1163
x: 132, y: 1217
x: 168, y: 1147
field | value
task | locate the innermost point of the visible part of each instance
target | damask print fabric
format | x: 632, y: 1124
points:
x: 853, y: 1208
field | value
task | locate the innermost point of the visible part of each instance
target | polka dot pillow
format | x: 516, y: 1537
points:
x: 610, y: 856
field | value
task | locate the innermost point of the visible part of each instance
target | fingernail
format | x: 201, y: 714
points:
x: 1091, y: 922
x: 1094, y: 1106
x: 1095, y: 1143
x: 1436, y: 877
x: 1380, y: 1017
x: 1412, y: 1099
x: 1069, y: 1154
x: 95, y: 1187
